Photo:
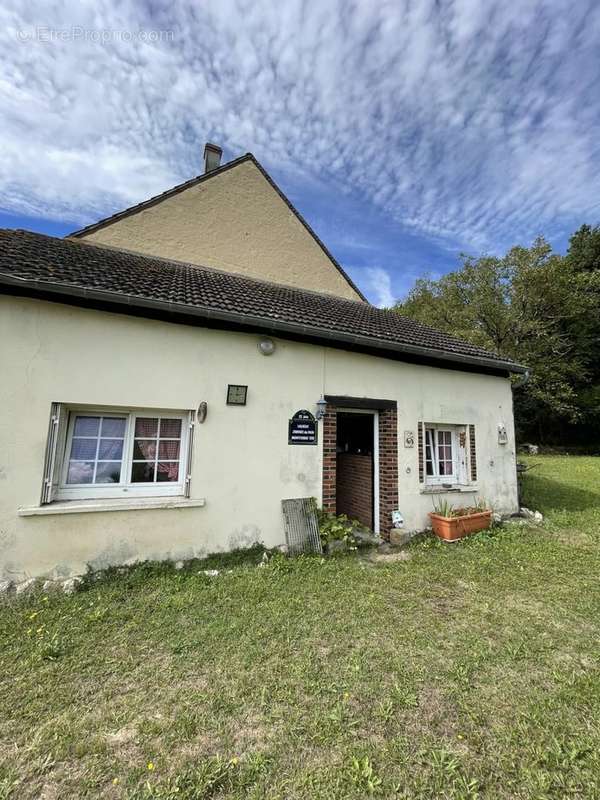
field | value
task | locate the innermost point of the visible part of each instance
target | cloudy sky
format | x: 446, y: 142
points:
x: 405, y: 132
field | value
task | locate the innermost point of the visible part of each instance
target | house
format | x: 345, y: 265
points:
x: 173, y: 372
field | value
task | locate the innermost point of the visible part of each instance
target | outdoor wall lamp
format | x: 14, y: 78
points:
x: 266, y: 346
x: 321, y: 408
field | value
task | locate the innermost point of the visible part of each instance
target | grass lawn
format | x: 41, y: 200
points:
x: 470, y: 670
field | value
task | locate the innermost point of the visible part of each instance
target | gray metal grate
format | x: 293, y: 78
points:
x: 301, y: 526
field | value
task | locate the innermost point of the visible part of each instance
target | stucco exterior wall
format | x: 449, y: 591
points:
x: 234, y: 221
x: 242, y: 465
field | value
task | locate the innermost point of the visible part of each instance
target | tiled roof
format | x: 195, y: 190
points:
x: 47, y: 266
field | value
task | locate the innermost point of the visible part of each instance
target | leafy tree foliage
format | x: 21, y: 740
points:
x: 584, y: 249
x: 539, y: 308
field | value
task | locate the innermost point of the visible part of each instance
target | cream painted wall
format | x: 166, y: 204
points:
x: 234, y: 221
x: 243, y: 466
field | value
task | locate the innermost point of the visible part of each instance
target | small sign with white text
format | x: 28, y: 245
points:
x: 302, y: 428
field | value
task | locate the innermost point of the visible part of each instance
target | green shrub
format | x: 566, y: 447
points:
x: 337, y: 528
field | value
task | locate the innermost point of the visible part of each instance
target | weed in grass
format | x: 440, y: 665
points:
x: 385, y: 710
x: 405, y: 696
x: 362, y: 775
x: 461, y: 675
x: 447, y: 776
x: 9, y: 783
x: 185, y: 726
x: 195, y: 783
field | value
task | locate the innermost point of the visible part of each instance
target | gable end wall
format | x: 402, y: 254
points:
x: 234, y: 221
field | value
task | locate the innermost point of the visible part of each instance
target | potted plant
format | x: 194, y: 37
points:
x: 451, y: 524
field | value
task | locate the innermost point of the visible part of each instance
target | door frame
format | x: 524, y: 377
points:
x: 375, y: 414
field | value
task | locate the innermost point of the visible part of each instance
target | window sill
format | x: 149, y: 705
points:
x: 129, y: 504
x: 453, y: 489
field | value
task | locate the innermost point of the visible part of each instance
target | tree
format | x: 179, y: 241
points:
x: 530, y: 305
x: 584, y: 249
x: 583, y: 257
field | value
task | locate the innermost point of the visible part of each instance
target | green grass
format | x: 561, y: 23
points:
x: 471, y: 670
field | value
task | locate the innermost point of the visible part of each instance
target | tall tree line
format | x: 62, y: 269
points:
x: 543, y: 310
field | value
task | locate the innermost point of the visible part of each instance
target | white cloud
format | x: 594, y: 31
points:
x: 378, y: 284
x: 467, y: 120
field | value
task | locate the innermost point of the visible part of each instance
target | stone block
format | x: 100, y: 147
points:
x: 25, y: 587
x: 399, y: 537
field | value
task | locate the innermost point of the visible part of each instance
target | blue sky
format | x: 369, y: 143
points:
x: 405, y: 132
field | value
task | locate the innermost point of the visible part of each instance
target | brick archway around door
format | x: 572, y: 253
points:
x: 388, y: 457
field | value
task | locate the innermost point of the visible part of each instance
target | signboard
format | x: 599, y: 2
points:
x: 236, y: 395
x: 302, y: 428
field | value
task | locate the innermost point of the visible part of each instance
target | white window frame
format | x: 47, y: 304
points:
x: 125, y: 488
x: 459, y: 456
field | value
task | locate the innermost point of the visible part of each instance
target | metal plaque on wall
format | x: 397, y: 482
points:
x: 302, y: 428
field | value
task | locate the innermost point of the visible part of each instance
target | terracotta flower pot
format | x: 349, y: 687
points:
x: 452, y: 528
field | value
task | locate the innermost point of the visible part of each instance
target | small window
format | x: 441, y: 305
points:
x: 443, y: 463
x: 123, y: 453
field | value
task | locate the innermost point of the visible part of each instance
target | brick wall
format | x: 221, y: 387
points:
x: 388, y: 468
x: 355, y: 487
x: 329, y: 459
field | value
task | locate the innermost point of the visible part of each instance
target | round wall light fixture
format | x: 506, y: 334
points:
x: 266, y: 346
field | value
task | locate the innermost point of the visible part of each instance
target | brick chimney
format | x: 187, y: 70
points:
x: 212, y: 157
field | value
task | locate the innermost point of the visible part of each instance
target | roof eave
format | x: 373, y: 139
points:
x: 261, y: 323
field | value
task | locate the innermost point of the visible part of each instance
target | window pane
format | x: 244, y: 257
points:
x: 83, y: 449
x: 99, y: 448
x: 80, y: 472
x: 108, y: 472
x: 146, y: 427
x: 86, y: 426
x: 445, y: 467
x: 429, y: 456
x: 110, y: 449
x: 113, y: 427
x: 94, y: 460
x: 169, y: 450
x: 142, y: 472
x: 170, y: 428
x: 444, y: 453
x: 168, y: 471
x: 144, y: 449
